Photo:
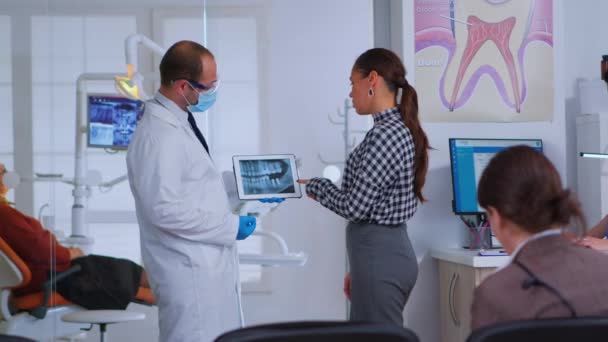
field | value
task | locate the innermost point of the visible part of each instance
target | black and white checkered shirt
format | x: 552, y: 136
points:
x: 378, y: 183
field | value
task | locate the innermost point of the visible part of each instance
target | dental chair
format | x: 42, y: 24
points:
x: 38, y: 315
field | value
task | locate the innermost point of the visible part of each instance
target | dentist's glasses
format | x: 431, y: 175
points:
x: 202, y: 88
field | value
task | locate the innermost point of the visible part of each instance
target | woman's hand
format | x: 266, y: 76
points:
x: 75, y: 253
x: 594, y: 243
x: 347, y: 280
x: 305, y: 182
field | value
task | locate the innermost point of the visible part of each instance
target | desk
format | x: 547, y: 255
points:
x: 460, y: 271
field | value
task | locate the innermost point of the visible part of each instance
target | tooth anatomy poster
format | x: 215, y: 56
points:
x: 484, y: 60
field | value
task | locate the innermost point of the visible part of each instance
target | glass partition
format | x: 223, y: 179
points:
x: 56, y: 55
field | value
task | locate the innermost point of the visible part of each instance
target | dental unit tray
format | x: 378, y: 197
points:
x: 266, y: 176
x: 284, y: 258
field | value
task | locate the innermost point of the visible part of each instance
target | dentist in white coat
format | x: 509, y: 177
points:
x: 188, y: 234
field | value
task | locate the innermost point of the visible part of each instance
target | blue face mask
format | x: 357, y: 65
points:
x: 205, y: 101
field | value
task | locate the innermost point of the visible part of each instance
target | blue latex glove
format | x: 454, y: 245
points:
x: 247, y: 225
x: 272, y: 200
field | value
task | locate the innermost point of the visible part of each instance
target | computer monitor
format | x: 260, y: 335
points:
x: 112, y: 120
x: 468, y: 159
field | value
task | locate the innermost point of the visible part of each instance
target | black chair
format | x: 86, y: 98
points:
x: 590, y: 329
x: 320, y: 331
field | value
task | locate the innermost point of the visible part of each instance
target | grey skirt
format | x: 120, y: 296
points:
x: 383, y: 270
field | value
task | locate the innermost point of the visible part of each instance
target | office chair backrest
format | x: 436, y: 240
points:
x: 10, y: 338
x: 588, y: 329
x: 320, y: 332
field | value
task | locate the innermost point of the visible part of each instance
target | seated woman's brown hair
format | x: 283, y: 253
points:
x: 524, y: 187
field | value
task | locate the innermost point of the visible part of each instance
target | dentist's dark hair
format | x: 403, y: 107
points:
x: 524, y: 187
x: 182, y: 61
x: 388, y: 65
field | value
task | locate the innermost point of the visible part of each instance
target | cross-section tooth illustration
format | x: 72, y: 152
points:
x: 484, y: 59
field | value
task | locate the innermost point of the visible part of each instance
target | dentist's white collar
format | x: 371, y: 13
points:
x: 180, y: 116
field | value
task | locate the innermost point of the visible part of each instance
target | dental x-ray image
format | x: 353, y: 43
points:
x: 112, y: 120
x: 267, y: 176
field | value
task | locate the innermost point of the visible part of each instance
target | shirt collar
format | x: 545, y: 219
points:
x: 381, y: 116
x: 179, y: 113
x: 537, y: 236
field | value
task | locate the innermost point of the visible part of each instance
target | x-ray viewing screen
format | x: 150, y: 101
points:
x: 112, y: 120
x: 265, y: 176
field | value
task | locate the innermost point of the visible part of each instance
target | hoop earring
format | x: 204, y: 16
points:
x: 370, y: 92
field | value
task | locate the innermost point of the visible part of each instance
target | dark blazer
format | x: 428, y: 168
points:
x: 578, y: 274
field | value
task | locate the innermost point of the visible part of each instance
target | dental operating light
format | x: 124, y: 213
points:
x: 131, y: 85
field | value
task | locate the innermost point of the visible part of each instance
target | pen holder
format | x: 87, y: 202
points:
x: 479, y: 237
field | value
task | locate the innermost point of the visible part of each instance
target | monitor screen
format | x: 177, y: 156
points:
x: 112, y: 120
x: 468, y: 159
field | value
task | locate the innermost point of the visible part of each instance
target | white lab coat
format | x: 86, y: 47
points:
x: 188, y: 234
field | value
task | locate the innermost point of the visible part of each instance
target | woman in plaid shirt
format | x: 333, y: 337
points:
x: 380, y: 191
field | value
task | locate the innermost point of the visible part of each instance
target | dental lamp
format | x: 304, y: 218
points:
x: 131, y: 85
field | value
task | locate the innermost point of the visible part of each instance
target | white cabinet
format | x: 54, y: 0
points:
x: 456, y: 285
x: 592, y: 137
x: 592, y: 173
x: 460, y: 271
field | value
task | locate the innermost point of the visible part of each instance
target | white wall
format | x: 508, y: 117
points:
x: 310, y: 53
x: 585, y: 43
x: 435, y: 225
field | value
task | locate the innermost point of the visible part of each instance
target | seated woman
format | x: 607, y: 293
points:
x: 102, y: 283
x: 549, y: 274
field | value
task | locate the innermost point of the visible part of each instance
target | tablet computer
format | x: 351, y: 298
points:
x: 265, y: 176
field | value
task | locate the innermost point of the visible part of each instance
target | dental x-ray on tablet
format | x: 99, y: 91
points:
x: 265, y: 176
